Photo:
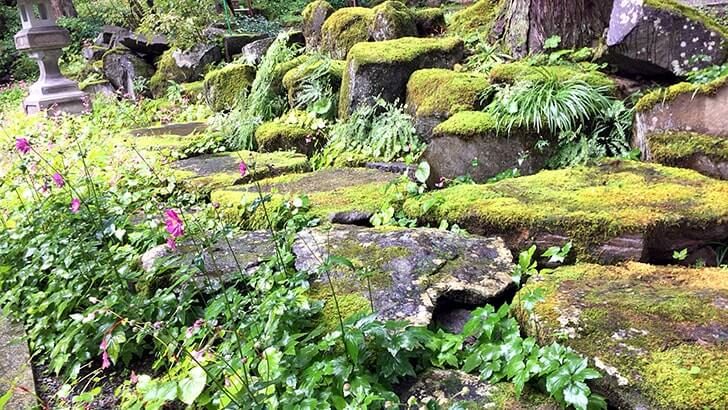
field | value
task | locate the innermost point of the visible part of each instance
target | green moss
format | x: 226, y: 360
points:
x: 690, y: 13
x: 669, y: 94
x: 345, y: 28
x: 468, y: 124
x: 392, y: 19
x: 437, y: 92
x: 275, y: 136
x: 504, y: 398
x: 195, y: 91
x: 294, y: 77
x: 520, y: 71
x: 430, y: 14
x: 401, y: 50
x: 648, y: 323
x: 671, y: 148
x: 281, y: 69
x: 479, y: 16
x: 349, y: 304
x: 224, y: 87
x: 589, y: 204
x: 307, y: 12
x: 167, y: 70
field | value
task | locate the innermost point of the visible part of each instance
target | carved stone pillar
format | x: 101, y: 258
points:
x: 43, y: 41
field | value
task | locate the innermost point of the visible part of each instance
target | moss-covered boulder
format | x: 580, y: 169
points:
x: 124, y: 70
x: 707, y: 154
x: 659, y: 37
x: 618, y: 210
x: 342, y: 195
x: 384, y: 68
x: 280, y: 136
x: 224, y: 87
x: 430, y: 21
x: 659, y: 334
x: 207, y: 172
x: 411, y: 270
x: 166, y: 146
x: 183, y: 66
x: 295, y: 78
x: 479, y: 16
x: 351, y: 25
x: 314, y: 16
x: 233, y: 44
x: 453, y: 389
x: 343, y: 29
x: 688, y: 123
x: 470, y: 144
x: 434, y: 95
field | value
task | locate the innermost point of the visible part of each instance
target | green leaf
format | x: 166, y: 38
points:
x: 191, y: 387
x: 339, y: 260
x: 577, y: 394
x: 552, y: 42
x: 423, y: 172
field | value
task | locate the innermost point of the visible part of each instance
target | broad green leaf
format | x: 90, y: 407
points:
x: 192, y: 386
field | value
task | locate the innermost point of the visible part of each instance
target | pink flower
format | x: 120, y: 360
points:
x: 22, y: 145
x: 58, y: 179
x: 194, y: 328
x: 175, y: 227
x: 105, y: 362
x: 75, y: 205
x: 133, y: 378
x: 243, y: 168
x: 171, y: 244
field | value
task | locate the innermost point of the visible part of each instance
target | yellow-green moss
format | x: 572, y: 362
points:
x: 430, y: 17
x: 670, y: 148
x: 504, y: 398
x: 224, y: 87
x: 509, y: 73
x: 281, y: 69
x: 349, y: 304
x: 194, y: 91
x: 401, y: 50
x: 167, y: 71
x: 645, y: 321
x: 589, y: 204
x: 345, y: 28
x: 276, y: 135
x: 665, y: 95
x: 479, y: 16
x: 437, y: 92
x: 307, y: 12
x: 467, y: 124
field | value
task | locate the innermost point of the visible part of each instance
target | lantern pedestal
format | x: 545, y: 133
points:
x: 43, y: 41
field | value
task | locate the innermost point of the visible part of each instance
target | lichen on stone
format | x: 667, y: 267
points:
x: 672, y: 147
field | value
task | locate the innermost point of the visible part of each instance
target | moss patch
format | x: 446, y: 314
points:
x: 345, y: 28
x: 671, y: 148
x: 167, y: 71
x: 468, y: 124
x: 401, y: 50
x: 511, y: 72
x: 661, y: 330
x: 276, y: 136
x: 589, y: 204
x: 437, y: 92
x: 224, y: 87
x: 479, y: 16
x: 669, y: 94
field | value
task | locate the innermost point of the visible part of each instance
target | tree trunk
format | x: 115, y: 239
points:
x: 64, y: 8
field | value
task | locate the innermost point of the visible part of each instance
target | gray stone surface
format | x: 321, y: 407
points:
x: 140, y: 44
x: 180, y: 129
x: 15, y: 368
x: 122, y: 68
x: 253, y: 52
x: 213, y: 265
x: 412, y: 269
x: 233, y: 44
x: 314, y: 17
x: 195, y: 61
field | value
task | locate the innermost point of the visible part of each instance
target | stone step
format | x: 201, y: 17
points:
x: 341, y: 195
x: 658, y: 334
x: 181, y: 129
x: 16, y: 371
x: 613, y: 212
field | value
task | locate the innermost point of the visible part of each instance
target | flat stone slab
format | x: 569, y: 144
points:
x: 658, y: 334
x: 707, y: 154
x: 616, y: 211
x: 16, y: 371
x: 456, y: 389
x: 217, y: 264
x: 343, y: 195
x: 181, y: 129
x: 172, y: 147
x: 208, y: 172
x: 412, y: 270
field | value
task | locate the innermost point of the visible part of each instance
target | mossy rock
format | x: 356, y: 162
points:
x: 410, y: 270
x: 279, y: 136
x: 122, y: 68
x: 509, y: 73
x: 295, y: 77
x: 167, y: 146
x: 183, y: 66
x: 337, y: 194
x: 707, y: 154
x: 195, y: 91
x: 470, y: 144
x: 430, y: 21
x: 479, y: 16
x: 208, y: 172
x: 390, y: 20
x: 314, y: 16
x: 167, y: 70
x: 434, y: 95
x: 383, y: 68
x: 615, y: 211
x: 226, y: 86
x: 659, y: 334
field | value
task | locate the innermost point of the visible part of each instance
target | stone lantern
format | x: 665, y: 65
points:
x: 43, y: 40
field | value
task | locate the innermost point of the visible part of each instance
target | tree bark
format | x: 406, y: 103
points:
x: 64, y: 8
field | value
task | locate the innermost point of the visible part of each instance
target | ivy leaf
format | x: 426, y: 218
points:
x: 191, y: 387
